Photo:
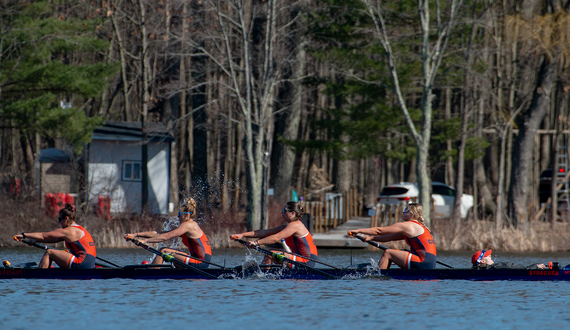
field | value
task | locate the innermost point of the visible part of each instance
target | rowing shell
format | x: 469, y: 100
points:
x: 145, y: 272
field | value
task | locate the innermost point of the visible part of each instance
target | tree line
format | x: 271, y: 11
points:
x: 300, y: 95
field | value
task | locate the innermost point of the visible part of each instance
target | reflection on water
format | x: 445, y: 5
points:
x: 284, y: 304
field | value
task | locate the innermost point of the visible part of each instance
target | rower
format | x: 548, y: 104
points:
x: 297, y: 237
x: 192, y: 236
x: 422, y: 253
x: 483, y: 260
x: 77, y: 239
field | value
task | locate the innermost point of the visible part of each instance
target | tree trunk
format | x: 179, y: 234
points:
x: 144, y: 103
x: 449, y: 175
x: 523, y: 148
x: 287, y: 158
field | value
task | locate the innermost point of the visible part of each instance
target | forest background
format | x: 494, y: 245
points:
x: 300, y: 95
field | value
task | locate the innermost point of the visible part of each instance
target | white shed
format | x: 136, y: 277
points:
x: 114, y: 167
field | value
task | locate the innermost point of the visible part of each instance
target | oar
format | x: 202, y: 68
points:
x: 170, y: 258
x: 281, y: 257
x: 380, y: 246
x: 313, y: 260
x: 45, y: 247
x: 191, y: 257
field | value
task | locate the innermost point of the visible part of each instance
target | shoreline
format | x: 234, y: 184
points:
x: 462, y: 235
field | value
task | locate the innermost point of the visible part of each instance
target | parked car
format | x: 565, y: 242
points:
x: 443, y: 197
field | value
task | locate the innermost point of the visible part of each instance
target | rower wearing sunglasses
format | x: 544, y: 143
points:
x: 422, y: 254
x: 192, y: 236
x: 82, y: 252
x: 293, y: 231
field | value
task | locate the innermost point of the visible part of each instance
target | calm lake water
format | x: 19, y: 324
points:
x: 283, y: 304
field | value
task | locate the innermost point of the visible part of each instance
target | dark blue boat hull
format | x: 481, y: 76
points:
x: 132, y: 272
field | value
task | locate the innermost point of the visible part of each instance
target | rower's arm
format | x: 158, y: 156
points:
x: 368, y: 231
x: 181, y: 230
x: 289, y: 230
x: 263, y: 232
x: 57, y: 235
x: 397, y: 228
x: 146, y: 234
x: 388, y: 237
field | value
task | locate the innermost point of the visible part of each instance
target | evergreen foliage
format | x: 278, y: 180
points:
x: 365, y: 119
x: 50, y: 59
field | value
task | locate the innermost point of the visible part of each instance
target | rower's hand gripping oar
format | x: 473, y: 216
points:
x: 45, y: 247
x: 382, y: 247
x: 170, y: 258
x: 281, y: 257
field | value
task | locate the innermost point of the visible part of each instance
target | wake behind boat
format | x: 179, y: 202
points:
x: 166, y: 272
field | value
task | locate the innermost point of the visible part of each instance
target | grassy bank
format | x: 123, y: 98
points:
x: 17, y: 217
x: 478, y: 235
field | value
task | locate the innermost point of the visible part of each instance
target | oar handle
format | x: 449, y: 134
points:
x: 375, y: 244
x: 380, y: 246
x: 30, y: 243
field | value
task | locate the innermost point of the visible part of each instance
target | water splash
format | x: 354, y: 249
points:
x: 251, y: 269
x: 169, y: 224
x: 208, y: 194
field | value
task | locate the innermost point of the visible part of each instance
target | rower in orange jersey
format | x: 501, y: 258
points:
x: 192, y: 236
x: 422, y: 254
x: 296, y: 236
x: 78, y: 240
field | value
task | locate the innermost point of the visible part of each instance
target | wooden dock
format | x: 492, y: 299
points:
x: 336, y: 237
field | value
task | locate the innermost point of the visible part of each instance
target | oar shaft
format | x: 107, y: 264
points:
x: 281, y: 257
x: 313, y: 260
x: 380, y: 246
x: 110, y: 263
x: 171, y: 258
x: 194, y: 258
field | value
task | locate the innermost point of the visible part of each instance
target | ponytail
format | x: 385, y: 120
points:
x: 417, y: 211
x: 67, y: 211
x: 190, y: 207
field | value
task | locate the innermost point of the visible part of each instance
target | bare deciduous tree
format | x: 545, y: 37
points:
x: 431, y: 54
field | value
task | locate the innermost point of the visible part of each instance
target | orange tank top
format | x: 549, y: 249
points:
x: 199, y: 247
x: 422, y: 244
x: 304, y: 245
x: 83, y: 246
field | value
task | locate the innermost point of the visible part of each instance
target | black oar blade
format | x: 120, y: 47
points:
x: 250, y: 268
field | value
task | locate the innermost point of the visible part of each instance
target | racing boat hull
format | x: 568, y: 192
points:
x: 146, y: 272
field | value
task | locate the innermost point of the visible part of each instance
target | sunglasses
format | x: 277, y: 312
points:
x: 286, y: 210
x: 181, y: 213
x: 406, y: 211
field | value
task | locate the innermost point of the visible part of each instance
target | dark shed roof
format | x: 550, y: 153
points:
x: 53, y: 155
x: 131, y: 131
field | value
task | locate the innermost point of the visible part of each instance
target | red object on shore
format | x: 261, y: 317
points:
x: 70, y: 199
x: 15, y: 188
x: 51, y: 206
x: 104, y: 207
x: 145, y: 262
x: 55, y: 202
